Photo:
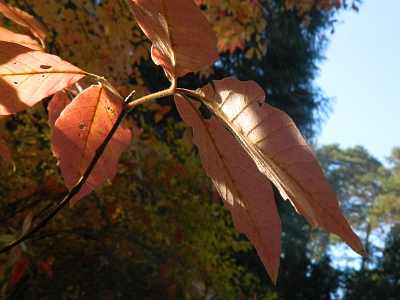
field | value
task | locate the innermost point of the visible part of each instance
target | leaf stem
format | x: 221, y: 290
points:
x: 168, y: 92
x: 73, y: 191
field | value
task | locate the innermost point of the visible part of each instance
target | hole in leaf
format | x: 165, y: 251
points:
x: 45, y: 67
x: 259, y: 103
x: 81, y: 126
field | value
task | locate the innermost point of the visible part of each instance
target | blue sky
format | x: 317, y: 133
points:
x: 362, y: 74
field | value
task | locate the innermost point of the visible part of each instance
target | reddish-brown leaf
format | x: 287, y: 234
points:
x: 246, y: 192
x: 24, y: 40
x: 5, y: 152
x: 44, y: 267
x: 80, y: 130
x: 24, y: 19
x: 56, y: 105
x: 183, y: 40
x: 19, y: 270
x: 280, y: 152
x: 27, y: 76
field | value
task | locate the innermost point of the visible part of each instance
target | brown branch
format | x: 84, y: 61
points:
x: 74, y: 190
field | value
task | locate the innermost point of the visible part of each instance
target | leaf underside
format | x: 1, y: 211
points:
x: 280, y: 152
x: 56, y: 105
x: 182, y: 42
x: 24, y: 19
x: 246, y: 192
x: 28, y: 76
x: 24, y: 40
x: 80, y: 130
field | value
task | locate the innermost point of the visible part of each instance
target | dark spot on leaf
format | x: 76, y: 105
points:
x: 15, y: 82
x: 43, y: 76
x: 45, y: 67
x: 81, y: 126
x: 259, y: 103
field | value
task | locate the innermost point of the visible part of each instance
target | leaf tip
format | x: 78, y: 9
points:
x: 363, y: 253
x: 274, y: 277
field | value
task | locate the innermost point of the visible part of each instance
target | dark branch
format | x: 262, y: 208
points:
x: 75, y: 190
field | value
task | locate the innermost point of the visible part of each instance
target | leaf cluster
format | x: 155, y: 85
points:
x: 88, y: 137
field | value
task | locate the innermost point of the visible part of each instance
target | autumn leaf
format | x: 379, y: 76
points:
x: 79, y: 131
x: 44, y: 267
x: 56, y: 105
x: 273, y: 141
x: 24, y: 19
x: 161, y: 112
x: 183, y: 40
x: 246, y: 192
x: 24, y: 40
x: 28, y: 76
x: 19, y: 270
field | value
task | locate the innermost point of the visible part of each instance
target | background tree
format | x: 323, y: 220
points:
x: 383, y: 278
x: 388, y: 207
x: 356, y: 177
x: 382, y: 281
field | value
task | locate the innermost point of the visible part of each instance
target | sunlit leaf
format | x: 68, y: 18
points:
x: 56, y: 105
x: 24, y: 19
x: 280, y: 152
x: 183, y: 40
x: 80, y: 130
x: 24, y: 40
x: 246, y: 192
x: 27, y: 76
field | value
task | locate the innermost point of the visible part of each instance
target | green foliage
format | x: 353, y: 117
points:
x: 388, y: 208
x: 356, y: 177
x: 369, y: 197
x: 382, y: 282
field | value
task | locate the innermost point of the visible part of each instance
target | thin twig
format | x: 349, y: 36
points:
x: 74, y: 190
x: 127, y: 107
x: 168, y: 92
